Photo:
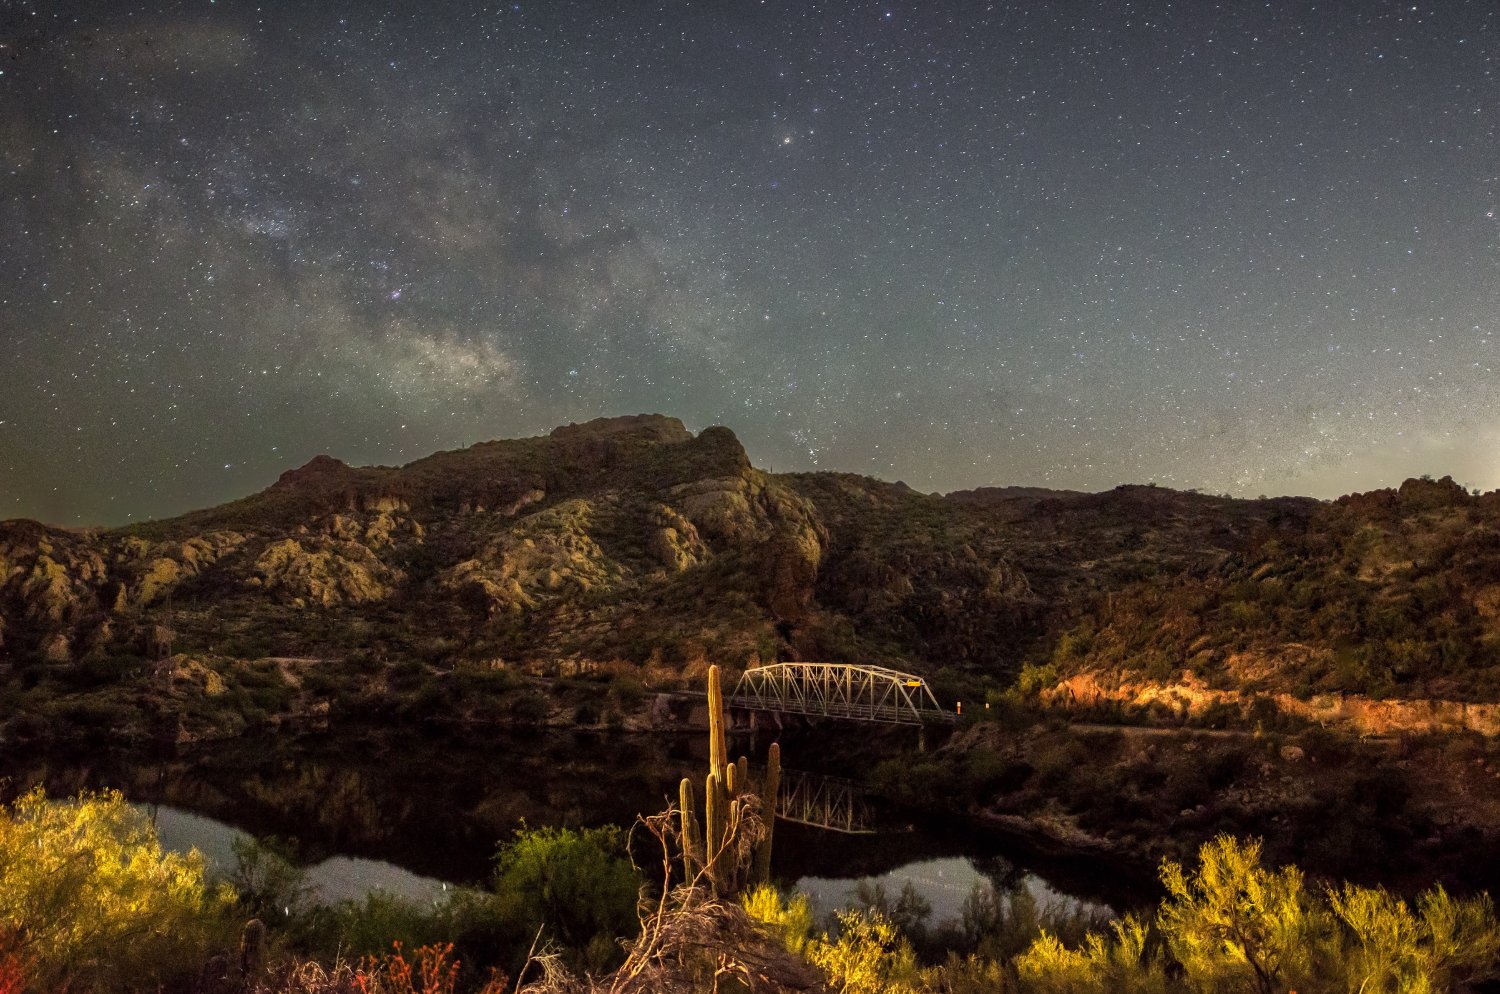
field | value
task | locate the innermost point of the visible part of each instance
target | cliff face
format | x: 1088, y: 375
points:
x: 631, y: 542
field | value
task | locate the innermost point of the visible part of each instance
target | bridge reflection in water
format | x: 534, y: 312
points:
x: 830, y: 803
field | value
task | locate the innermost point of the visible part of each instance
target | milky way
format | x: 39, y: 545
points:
x: 1251, y: 250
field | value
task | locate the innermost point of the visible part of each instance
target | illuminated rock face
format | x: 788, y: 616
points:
x: 323, y: 572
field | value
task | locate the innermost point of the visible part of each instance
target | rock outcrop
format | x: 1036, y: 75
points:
x: 324, y: 572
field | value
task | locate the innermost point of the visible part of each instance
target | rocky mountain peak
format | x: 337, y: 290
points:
x: 320, y: 469
x: 645, y: 427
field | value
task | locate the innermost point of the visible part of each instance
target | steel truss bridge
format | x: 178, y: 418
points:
x: 824, y: 802
x: 838, y: 690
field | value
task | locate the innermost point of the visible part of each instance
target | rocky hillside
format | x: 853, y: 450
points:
x: 1393, y: 594
x: 632, y: 545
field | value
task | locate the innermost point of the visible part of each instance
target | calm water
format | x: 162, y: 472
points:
x: 335, y: 879
x: 411, y: 814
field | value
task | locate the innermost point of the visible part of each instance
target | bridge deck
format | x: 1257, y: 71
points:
x: 885, y: 713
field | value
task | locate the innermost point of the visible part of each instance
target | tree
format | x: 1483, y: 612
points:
x: 1236, y: 926
x: 93, y: 901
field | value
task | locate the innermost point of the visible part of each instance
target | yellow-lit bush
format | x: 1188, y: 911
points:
x: 1236, y: 926
x: 791, y: 918
x: 1233, y: 925
x: 868, y: 957
x: 94, y: 902
x: 1123, y: 965
x: 1391, y: 948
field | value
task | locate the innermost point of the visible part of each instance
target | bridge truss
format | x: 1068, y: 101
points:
x: 839, y: 690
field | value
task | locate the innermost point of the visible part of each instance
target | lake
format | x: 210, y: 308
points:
x: 412, y: 814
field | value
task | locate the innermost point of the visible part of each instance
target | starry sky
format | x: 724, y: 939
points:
x: 1244, y: 247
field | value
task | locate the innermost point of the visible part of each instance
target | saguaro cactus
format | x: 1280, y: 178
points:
x: 716, y: 824
x: 713, y: 846
x: 718, y: 756
x: 692, y: 833
x: 768, y: 790
x: 253, y: 950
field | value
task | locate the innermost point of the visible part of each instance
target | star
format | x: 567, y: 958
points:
x: 1060, y: 246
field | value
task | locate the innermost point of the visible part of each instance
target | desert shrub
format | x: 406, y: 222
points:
x: 909, y: 912
x: 628, y: 690
x: 1034, y: 679
x: 790, y: 917
x: 406, y: 675
x: 921, y: 782
x: 968, y: 975
x: 1230, y: 924
x: 1236, y: 926
x: 999, y: 922
x: 1072, y: 645
x: 429, y: 969
x: 369, y: 927
x: 951, y: 683
x: 1059, y: 761
x: 1221, y: 714
x: 432, y: 970
x: 1124, y: 964
x: 15, y: 968
x: 1389, y: 947
x: 364, y: 661
x: 869, y: 956
x: 1263, y: 712
x: 529, y: 707
x: 97, y: 717
x: 100, y: 669
x: 96, y: 903
x: 270, y: 885
x: 576, y: 884
x: 480, y: 928
x: 1157, y: 666
x: 986, y: 771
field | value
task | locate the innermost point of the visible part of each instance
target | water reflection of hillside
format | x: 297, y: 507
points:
x: 438, y: 805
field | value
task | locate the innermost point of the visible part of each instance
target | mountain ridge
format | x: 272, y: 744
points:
x: 633, y: 544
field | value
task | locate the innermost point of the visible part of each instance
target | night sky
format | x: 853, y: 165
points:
x: 1251, y: 248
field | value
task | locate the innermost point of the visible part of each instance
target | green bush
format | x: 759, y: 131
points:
x: 529, y: 707
x: 270, y: 885
x: 576, y: 885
